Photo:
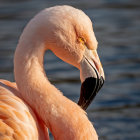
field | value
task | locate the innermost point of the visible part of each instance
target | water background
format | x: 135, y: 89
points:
x: 116, y: 110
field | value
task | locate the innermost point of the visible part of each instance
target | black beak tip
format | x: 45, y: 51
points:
x: 89, y: 90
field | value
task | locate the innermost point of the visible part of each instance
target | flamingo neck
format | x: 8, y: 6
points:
x: 32, y: 82
x: 47, y: 101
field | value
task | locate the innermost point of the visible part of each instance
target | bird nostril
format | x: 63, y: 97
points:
x: 96, y: 65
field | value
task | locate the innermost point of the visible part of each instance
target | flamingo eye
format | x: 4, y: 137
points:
x: 81, y: 40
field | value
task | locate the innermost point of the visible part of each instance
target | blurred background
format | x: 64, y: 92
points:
x: 115, y: 111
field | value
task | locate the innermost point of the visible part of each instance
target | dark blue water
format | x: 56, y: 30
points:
x: 116, y: 110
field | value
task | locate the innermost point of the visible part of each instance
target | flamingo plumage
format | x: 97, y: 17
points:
x: 32, y: 105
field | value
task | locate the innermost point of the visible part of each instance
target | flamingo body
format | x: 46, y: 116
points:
x: 17, y: 120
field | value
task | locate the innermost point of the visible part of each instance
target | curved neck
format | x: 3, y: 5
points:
x: 64, y: 118
x: 32, y: 82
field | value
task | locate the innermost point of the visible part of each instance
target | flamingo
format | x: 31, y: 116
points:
x: 32, y: 105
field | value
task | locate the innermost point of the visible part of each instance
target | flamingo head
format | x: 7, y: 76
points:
x: 70, y: 36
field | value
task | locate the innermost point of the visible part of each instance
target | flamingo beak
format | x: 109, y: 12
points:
x: 92, y: 77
